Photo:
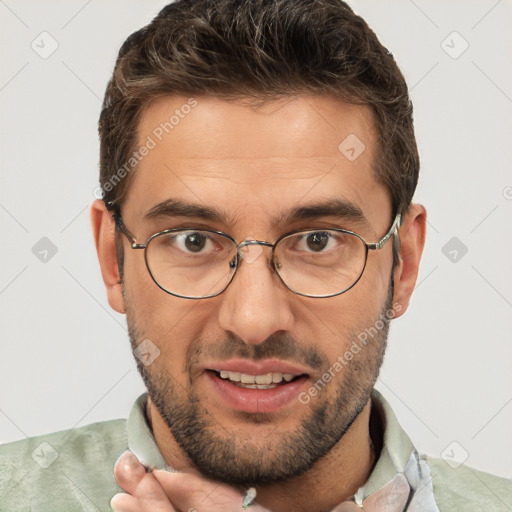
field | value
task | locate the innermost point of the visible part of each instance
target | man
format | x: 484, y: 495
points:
x: 258, y: 164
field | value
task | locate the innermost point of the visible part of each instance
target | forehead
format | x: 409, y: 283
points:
x: 256, y: 160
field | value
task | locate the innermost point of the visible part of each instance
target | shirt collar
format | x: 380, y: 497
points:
x: 141, y: 440
x: 396, y: 446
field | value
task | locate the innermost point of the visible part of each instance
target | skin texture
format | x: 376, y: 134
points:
x: 254, y: 164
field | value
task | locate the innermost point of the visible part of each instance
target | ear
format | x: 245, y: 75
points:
x: 412, y: 238
x: 103, y: 228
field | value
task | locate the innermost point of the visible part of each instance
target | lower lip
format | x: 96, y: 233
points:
x: 256, y: 400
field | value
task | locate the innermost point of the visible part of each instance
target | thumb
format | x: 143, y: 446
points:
x: 129, y: 472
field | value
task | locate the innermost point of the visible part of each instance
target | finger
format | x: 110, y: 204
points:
x: 124, y: 503
x: 190, y: 492
x: 129, y: 472
x: 131, y: 475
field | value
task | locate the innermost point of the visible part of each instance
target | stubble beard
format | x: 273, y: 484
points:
x: 223, y: 453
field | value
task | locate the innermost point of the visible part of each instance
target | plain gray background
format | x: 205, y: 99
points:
x: 65, y: 359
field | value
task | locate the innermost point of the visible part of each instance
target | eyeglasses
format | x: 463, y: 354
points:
x: 201, y: 263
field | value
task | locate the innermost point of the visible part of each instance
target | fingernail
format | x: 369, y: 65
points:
x: 130, y: 461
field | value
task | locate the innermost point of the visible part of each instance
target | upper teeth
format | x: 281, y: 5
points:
x: 268, y: 378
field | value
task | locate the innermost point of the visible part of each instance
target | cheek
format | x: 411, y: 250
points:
x: 334, y: 324
x: 371, y: 291
x: 153, y: 314
x: 178, y: 327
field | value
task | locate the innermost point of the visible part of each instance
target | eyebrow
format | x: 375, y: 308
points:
x: 177, y: 208
x: 337, y: 208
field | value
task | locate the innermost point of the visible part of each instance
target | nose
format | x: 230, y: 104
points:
x: 256, y: 304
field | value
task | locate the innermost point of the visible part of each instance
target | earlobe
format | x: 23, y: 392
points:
x: 103, y: 228
x: 412, y: 238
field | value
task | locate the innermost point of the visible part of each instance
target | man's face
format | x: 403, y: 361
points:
x: 253, y: 166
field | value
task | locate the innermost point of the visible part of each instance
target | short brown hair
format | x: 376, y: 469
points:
x: 260, y: 50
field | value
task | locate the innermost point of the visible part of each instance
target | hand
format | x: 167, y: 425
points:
x: 163, y: 491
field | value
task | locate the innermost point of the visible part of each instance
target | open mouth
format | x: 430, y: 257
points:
x: 255, y: 386
x: 265, y: 381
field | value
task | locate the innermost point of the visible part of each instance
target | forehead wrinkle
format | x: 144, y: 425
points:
x: 236, y: 217
x: 304, y: 168
x: 232, y: 179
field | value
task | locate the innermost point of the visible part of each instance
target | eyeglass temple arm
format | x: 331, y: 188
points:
x: 122, y: 228
x: 392, y: 230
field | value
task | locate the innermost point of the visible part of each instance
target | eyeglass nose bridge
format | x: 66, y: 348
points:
x: 253, y: 242
x: 249, y: 258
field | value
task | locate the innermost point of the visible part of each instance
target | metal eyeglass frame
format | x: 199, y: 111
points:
x: 369, y: 247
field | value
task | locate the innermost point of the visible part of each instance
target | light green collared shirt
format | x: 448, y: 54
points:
x: 73, y: 471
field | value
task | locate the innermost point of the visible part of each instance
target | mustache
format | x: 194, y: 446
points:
x: 276, y: 346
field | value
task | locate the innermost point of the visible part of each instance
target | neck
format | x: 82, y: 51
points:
x: 333, y: 479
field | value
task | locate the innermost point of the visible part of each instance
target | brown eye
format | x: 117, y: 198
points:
x: 317, y: 241
x: 195, y: 242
